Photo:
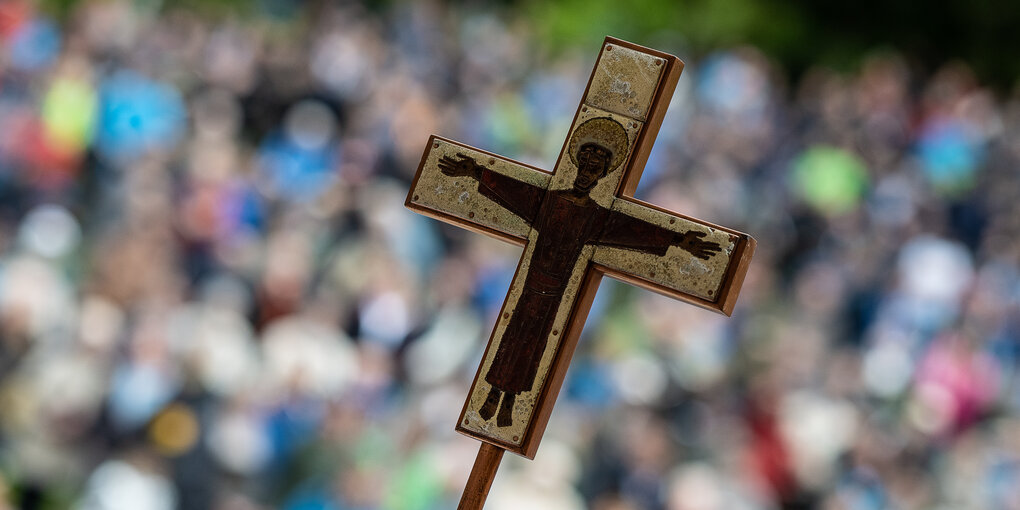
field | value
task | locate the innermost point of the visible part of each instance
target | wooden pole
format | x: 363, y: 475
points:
x: 480, y: 481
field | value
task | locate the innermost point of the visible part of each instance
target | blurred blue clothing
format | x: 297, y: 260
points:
x: 311, y: 499
x: 137, y: 393
x: 590, y: 384
x: 295, y: 172
x: 728, y: 83
x: 490, y: 288
x: 293, y: 426
x: 550, y: 98
x: 1002, y: 482
x: 949, y: 157
x: 419, y: 245
x: 138, y: 115
x: 245, y: 207
x: 35, y: 46
x: 862, y: 490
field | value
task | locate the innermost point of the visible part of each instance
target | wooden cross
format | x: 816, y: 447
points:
x: 576, y: 224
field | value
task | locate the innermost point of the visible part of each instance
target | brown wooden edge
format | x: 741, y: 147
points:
x: 456, y: 220
x: 735, y: 275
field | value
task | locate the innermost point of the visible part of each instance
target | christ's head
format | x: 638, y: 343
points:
x: 592, y: 164
x: 597, y: 147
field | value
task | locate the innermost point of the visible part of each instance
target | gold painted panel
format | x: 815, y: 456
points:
x: 458, y: 196
x: 625, y: 81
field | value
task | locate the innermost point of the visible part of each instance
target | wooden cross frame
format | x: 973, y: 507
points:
x: 576, y: 224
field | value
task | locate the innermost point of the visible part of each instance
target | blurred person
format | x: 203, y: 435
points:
x: 135, y: 482
x: 955, y: 386
x: 299, y: 163
x: 147, y: 379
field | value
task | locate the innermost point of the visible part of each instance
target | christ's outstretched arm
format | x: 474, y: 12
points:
x: 628, y: 232
x: 518, y: 197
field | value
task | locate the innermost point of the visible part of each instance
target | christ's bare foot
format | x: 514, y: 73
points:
x: 491, y: 402
x: 506, y: 411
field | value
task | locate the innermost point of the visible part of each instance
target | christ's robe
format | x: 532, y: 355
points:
x: 565, y: 223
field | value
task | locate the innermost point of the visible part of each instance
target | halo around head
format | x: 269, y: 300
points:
x: 605, y: 132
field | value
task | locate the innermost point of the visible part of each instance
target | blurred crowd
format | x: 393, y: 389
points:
x: 211, y: 296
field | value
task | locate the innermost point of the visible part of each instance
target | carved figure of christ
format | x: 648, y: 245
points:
x: 564, y: 221
x: 577, y: 224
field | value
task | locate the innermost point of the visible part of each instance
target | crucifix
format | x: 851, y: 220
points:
x: 576, y: 224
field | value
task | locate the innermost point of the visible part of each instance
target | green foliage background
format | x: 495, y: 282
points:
x: 797, y: 33
x: 801, y: 33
